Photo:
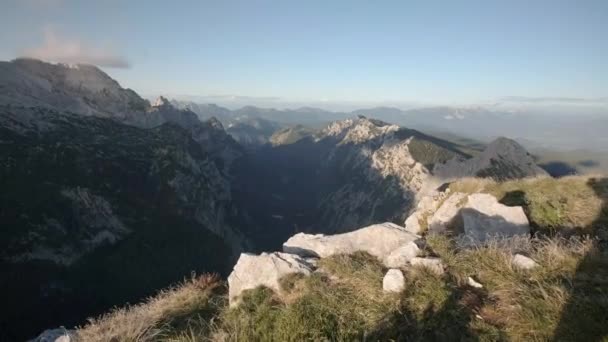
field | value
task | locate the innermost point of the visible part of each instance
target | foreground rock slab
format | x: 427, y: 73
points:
x: 379, y: 240
x: 393, y: 281
x: 484, y: 218
x: 266, y: 269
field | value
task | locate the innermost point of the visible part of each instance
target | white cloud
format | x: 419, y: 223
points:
x: 69, y: 50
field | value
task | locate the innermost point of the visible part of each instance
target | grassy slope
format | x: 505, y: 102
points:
x: 345, y: 302
x: 565, y: 298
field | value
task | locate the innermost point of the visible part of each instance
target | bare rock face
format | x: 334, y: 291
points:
x: 379, y: 240
x: 393, y: 281
x: 485, y: 218
x: 402, y: 255
x: 522, y: 262
x: 447, y: 213
x: 266, y: 269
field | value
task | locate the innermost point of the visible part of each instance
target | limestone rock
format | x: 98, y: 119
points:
x: 393, y: 281
x: 402, y: 255
x: 433, y: 264
x: 471, y: 282
x: 447, y: 213
x: 412, y: 223
x: 266, y: 269
x: 379, y: 240
x: 485, y: 218
x: 522, y: 262
x: 56, y: 335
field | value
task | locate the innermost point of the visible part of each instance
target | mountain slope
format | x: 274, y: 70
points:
x: 97, y: 191
x: 353, y: 173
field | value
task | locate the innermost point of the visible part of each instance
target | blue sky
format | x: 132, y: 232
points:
x: 335, y: 51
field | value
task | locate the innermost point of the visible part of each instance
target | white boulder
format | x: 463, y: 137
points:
x: 485, y: 218
x: 266, y: 269
x: 379, y: 240
x: 432, y: 264
x: 393, y: 281
x: 447, y: 213
x: 522, y: 262
x: 402, y: 255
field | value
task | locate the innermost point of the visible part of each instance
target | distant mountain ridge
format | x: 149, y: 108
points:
x: 545, y: 130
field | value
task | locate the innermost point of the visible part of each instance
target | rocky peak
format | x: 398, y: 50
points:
x: 162, y: 101
x: 358, y: 130
x: 81, y: 89
x: 505, y: 147
x: 501, y: 159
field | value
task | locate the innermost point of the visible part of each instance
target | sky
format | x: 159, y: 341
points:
x: 383, y: 52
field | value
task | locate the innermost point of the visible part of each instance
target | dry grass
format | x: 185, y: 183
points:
x: 530, y: 306
x: 153, y: 319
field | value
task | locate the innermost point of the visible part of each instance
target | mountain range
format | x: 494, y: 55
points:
x: 537, y: 129
x: 108, y: 197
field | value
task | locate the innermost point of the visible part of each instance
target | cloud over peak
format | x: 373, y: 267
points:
x: 56, y: 48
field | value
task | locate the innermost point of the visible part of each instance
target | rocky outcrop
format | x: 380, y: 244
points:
x: 379, y: 240
x: 484, y: 218
x: 266, y: 270
x: 393, y: 281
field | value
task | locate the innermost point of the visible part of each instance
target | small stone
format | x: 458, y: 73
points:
x: 522, y: 262
x: 402, y: 255
x: 433, y: 264
x: 393, y: 281
x: 471, y: 282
